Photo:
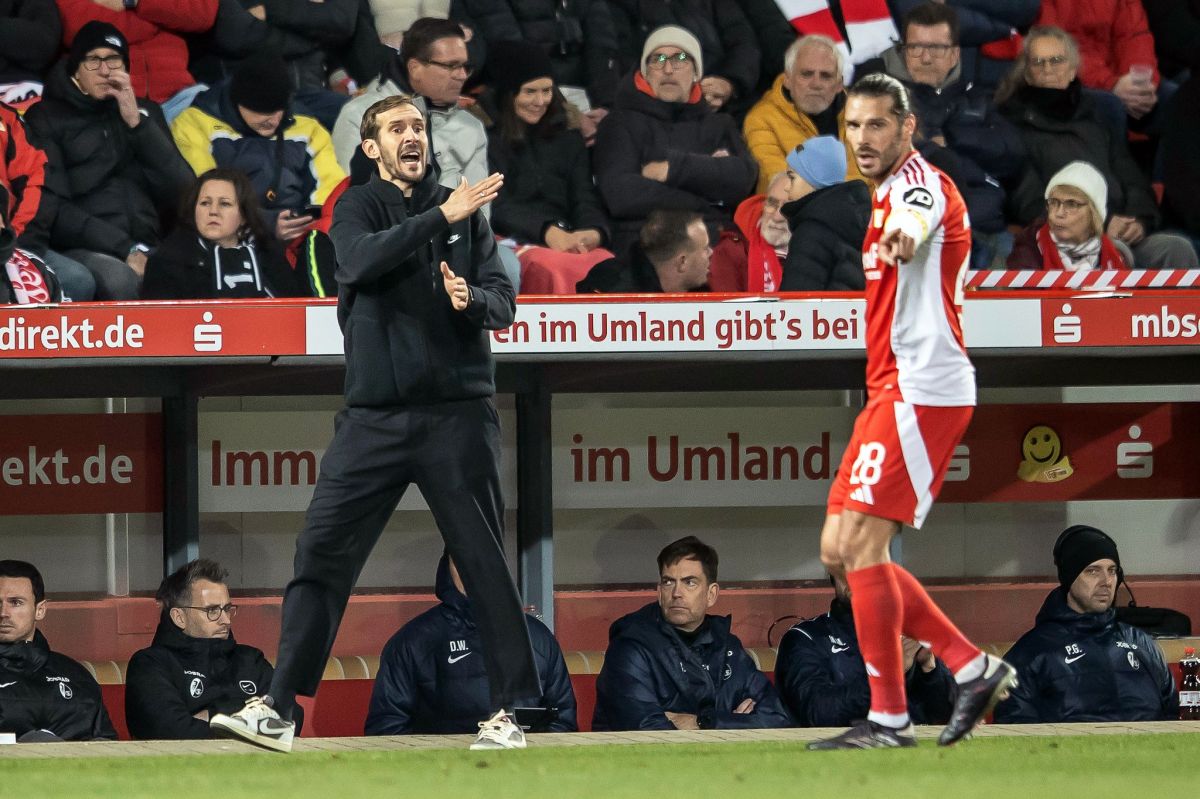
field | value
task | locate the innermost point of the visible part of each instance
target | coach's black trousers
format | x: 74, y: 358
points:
x: 451, y: 451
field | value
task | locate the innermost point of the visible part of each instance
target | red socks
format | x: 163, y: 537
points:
x: 887, y: 601
x: 925, y: 621
x: 878, y: 612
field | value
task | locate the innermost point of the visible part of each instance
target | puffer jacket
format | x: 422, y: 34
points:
x: 112, y: 184
x: 648, y: 671
x: 643, y: 128
x: 1086, y: 667
x: 45, y: 690
x: 728, y: 43
x: 293, y: 169
x: 30, y: 31
x: 158, y: 54
x: 775, y: 126
x: 29, y: 209
x: 1113, y: 35
x: 430, y: 684
x: 825, y: 251
x: 178, y: 676
x: 823, y: 680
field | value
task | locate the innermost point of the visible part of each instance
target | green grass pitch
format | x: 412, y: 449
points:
x: 1153, y: 766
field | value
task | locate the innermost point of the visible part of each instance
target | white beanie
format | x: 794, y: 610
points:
x: 1085, y: 177
x: 673, y: 36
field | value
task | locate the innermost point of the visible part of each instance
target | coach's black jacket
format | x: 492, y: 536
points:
x: 823, y: 681
x: 1087, y: 667
x: 432, y: 678
x: 43, y: 690
x: 178, y: 676
x: 649, y: 670
x: 405, y: 344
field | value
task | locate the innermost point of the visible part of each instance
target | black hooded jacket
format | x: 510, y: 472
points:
x: 30, y: 32
x: 43, y: 690
x: 405, y: 344
x: 430, y: 683
x: 821, y: 675
x: 825, y: 251
x: 649, y: 670
x: 641, y: 129
x: 178, y: 676
x: 187, y: 267
x: 1087, y: 667
x: 114, y: 184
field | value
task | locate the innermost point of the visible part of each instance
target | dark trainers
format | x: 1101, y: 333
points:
x: 257, y: 723
x: 868, y: 735
x: 977, y: 698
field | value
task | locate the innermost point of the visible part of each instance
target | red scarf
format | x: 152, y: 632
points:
x: 869, y: 25
x: 764, y: 272
x: 1110, y: 256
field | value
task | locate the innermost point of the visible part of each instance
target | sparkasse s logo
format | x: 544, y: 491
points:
x: 206, y: 336
x: 1068, y: 328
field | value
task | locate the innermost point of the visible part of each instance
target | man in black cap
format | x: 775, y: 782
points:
x: 115, y: 175
x: 1079, y: 663
x: 246, y: 124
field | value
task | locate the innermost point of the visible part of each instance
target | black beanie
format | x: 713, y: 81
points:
x: 512, y: 64
x: 262, y: 84
x: 93, y: 36
x: 1079, y: 547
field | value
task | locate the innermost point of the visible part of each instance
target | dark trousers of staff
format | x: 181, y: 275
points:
x: 451, y: 452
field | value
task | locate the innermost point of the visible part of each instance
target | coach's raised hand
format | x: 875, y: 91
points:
x: 456, y: 288
x: 467, y: 199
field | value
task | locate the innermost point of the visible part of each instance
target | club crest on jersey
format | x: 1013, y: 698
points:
x: 197, y: 687
x: 919, y: 198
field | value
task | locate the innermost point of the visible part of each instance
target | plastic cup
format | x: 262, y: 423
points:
x: 1142, y: 74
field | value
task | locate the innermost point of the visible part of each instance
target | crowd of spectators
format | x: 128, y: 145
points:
x: 600, y: 113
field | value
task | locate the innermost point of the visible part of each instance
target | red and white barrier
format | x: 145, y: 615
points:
x: 1087, y: 279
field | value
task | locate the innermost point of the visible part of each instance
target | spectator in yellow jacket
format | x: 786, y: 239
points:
x: 805, y: 101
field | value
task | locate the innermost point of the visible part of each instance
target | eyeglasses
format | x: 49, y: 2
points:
x: 1068, y: 205
x: 458, y: 66
x: 93, y: 62
x: 1054, y: 61
x: 660, y: 61
x: 935, y: 50
x: 214, y: 611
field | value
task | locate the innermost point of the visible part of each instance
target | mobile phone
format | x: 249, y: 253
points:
x: 309, y: 210
x: 535, y: 719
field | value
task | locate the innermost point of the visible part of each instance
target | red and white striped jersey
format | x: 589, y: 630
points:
x: 915, y: 349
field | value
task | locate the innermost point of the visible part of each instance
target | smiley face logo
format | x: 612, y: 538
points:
x: 1042, y: 456
x: 1041, y: 445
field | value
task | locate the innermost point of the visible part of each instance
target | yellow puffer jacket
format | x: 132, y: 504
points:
x: 774, y: 127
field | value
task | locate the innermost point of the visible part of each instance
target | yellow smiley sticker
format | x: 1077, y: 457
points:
x: 1042, y: 457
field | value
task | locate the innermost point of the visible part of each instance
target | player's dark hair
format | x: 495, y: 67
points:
x: 877, y: 84
x: 176, y: 589
x: 665, y: 233
x: 21, y: 568
x: 690, y: 547
x: 929, y: 15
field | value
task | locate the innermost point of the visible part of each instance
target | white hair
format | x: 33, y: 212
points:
x: 817, y: 40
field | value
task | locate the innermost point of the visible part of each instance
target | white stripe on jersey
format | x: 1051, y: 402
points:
x: 916, y: 459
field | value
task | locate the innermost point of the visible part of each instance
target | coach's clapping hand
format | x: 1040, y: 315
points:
x: 467, y: 199
x: 747, y: 706
x: 456, y: 288
x: 683, y: 721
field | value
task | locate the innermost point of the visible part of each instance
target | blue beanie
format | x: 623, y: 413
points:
x: 821, y: 161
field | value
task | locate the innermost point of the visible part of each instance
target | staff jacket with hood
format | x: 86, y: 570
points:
x: 405, y: 344
x: 825, y: 250
x: 178, y: 676
x: 289, y: 170
x: 775, y: 126
x: 432, y: 678
x: 649, y: 670
x: 1086, y: 667
x: 43, y: 690
x: 641, y: 129
x: 113, y: 184
x: 823, y: 680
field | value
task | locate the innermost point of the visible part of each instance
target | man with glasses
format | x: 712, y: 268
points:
x: 664, y: 147
x: 959, y: 130
x: 194, y: 668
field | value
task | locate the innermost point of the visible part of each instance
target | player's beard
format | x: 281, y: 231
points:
x: 401, y: 172
x: 889, y: 157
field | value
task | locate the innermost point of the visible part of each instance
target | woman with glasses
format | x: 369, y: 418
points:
x: 1071, y: 235
x: 548, y: 204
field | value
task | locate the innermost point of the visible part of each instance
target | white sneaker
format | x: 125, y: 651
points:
x: 257, y: 723
x: 501, y: 731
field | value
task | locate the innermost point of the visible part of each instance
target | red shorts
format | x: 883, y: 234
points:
x: 897, y: 459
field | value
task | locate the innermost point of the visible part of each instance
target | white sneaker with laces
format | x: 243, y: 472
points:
x: 501, y: 731
x: 257, y: 723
